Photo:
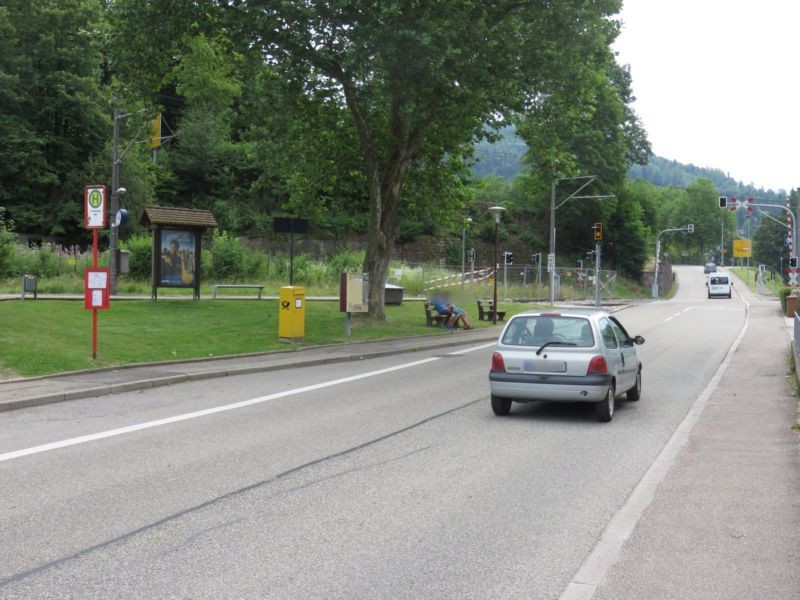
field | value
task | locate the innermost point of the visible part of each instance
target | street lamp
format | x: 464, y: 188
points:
x: 113, y: 233
x: 689, y: 228
x: 551, y: 257
x: 116, y: 192
x: 496, y: 211
x: 467, y: 221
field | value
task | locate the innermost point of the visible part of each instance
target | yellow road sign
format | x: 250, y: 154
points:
x: 742, y: 248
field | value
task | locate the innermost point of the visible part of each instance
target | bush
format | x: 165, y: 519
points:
x: 140, y: 259
x: 8, y: 240
x: 227, y: 258
x: 346, y: 261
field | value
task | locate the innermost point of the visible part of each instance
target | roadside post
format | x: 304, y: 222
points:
x: 97, y: 281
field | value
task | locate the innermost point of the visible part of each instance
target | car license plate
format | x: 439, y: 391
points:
x: 544, y: 366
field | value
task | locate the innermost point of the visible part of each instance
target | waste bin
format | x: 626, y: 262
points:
x: 124, y: 261
x: 393, y: 294
x: 29, y: 285
x: 292, y: 313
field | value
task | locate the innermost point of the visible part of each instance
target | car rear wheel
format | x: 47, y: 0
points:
x: 500, y: 406
x: 635, y: 392
x: 604, y: 410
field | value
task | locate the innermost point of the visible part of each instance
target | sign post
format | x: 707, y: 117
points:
x: 96, y: 280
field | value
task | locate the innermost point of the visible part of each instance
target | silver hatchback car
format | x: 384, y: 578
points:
x: 570, y: 355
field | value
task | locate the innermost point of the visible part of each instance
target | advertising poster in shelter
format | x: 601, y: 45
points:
x: 177, y: 258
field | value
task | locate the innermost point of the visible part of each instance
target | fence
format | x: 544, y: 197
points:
x: 520, y: 282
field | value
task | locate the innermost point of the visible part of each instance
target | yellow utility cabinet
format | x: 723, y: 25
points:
x: 292, y: 314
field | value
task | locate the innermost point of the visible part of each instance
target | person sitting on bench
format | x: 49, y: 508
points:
x: 456, y: 315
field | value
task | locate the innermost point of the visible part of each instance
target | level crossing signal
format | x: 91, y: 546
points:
x: 723, y: 201
x: 508, y: 257
x: 598, y: 231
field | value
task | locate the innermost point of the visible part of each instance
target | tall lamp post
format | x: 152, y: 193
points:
x: 551, y: 257
x: 116, y: 192
x: 496, y: 211
x: 689, y: 228
x: 467, y: 221
x: 113, y: 234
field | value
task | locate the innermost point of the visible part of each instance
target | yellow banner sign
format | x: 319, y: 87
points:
x: 742, y: 248
x: 154, y: 141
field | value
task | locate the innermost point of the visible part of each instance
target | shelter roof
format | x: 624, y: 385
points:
x: 157, y: 216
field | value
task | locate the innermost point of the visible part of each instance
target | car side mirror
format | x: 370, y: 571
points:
x: 638, y: 340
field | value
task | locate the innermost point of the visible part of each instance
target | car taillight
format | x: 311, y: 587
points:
x: 497, y: 362
x: 597, y: 366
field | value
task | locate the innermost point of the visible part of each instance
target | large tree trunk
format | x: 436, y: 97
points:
x: 385, y: 178
x: 383, y: 227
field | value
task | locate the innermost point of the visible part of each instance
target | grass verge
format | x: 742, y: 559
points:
x: 50, y: 336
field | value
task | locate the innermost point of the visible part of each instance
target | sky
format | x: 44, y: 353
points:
x: 717, y: 84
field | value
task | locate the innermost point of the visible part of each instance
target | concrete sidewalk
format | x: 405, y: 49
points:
x: 718, y: 514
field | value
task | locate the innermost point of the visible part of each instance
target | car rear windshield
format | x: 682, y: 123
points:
x: 536, y: 330
x: 718, y: 280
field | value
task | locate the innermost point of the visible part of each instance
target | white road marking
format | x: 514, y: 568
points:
x: 585, y: 582
x: 212, y: 411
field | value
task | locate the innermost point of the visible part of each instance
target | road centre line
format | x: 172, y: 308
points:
x: 676, y: 315
x: 212, y: 411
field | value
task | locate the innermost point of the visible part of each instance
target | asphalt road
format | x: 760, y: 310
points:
x: 387, y: 478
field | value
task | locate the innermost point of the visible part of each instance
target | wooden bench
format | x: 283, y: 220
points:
x: 260, y: 288
x: 433, y: 318
x: 486, y: 314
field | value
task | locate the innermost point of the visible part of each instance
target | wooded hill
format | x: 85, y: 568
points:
x: 505, y: 158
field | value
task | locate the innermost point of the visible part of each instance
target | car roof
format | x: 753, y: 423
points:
x: 563, y: 312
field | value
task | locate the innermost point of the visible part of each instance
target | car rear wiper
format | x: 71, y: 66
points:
x: 554, y: 343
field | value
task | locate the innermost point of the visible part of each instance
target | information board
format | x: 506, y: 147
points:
x: 97, y: 286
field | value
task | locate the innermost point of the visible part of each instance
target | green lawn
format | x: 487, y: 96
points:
x: 48, y: 336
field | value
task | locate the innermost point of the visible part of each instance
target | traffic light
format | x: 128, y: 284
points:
x: 509, y: 257
x: 793, y: 262
x: 598, y: 231
x: 579, y: 264
x: 690, y: 227
x: 723, y: 201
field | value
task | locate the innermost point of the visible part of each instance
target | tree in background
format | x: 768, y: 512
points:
x: 768, y: 243
x: 698, y: 204
x: 419, y: 83
x: 54, y: 111
x: 582, y: 124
